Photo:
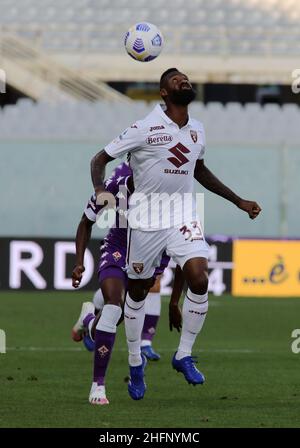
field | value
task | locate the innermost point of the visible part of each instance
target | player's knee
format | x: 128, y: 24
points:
x: 138, y: 289
x: 113, y: 291
x: 114, y: 299
x: 199, y: 285
x: 137, y: 294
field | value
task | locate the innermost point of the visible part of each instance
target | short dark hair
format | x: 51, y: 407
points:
x: 165, y: 74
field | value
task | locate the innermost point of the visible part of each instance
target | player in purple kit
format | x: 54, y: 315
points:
x: 113, y: 281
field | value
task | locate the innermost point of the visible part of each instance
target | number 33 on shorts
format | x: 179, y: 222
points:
x: 192, y: 231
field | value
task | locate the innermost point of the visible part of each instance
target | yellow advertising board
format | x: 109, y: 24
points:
x: 266, y: 268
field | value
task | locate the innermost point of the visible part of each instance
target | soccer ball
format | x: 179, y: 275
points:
x: 143, y: 42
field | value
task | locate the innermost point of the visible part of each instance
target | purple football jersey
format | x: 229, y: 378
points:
x: 116, y: 237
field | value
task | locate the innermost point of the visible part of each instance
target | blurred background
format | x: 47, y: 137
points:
x: 67, y: 88
x: 71, y: 88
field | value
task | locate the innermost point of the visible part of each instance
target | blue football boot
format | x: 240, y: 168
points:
x: 187, y: 366
x: 88, y: 343
x: 136, y: 384
x: 150, y: 354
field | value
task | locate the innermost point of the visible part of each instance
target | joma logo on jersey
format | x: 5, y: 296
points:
x: 159, y: 139
x: 156, y: 128
x: 178, y: 151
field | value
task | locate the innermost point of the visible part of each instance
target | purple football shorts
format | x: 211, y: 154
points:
x: 112, y: 264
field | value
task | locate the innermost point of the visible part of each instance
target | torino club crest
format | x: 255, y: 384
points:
x: 138, y: 267
x: 194, y: 136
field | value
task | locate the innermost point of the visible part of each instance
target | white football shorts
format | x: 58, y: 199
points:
x: 145, y: 248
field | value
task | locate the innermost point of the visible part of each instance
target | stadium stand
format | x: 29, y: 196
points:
x: 218, y: 34
x: 79, y: 43
x: 40, y: 76
x: 104, y: 120
x: 46, y: 149
x: 267, y: 26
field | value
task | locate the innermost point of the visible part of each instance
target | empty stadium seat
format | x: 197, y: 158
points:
x: 228, y: 124
x: 252, y: 27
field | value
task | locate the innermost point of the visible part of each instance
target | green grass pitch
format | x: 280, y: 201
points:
x: 244, y: 351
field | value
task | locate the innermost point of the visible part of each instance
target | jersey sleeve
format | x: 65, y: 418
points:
x: 130, y: 140
x: 111, y: 184
x: 92, y: 209
x: 203, y: 143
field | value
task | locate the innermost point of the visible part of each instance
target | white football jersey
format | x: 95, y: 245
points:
x: 162, y: 158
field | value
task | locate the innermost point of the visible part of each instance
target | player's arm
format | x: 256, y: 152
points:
x: 130, y: 140
x: 175, y: 318
x: 98, y: 165
x: 206, y: 178
x: 83, y: 236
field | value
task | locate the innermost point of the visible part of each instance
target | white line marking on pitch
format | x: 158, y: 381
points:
x: 82, y: 349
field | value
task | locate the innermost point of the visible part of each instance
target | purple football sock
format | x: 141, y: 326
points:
x: 88, y: 319
x: 149, y: 327
x: 104, y: 343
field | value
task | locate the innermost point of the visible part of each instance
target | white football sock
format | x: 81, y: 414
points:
x: 90, y: 326
x: 153, y: 304
x: 98, y: 300
x: 109, y: 318
x: 152, y: 308
x: 194, y: 311
x: 134, y: 314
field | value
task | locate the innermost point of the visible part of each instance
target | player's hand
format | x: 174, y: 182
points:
x: 175, y: 317
x: 250, y: 207
x: 77, y: 275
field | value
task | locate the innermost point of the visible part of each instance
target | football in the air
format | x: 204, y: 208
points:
x: 143, y: 41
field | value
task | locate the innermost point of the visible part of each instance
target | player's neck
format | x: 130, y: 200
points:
x: 178, y: 114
